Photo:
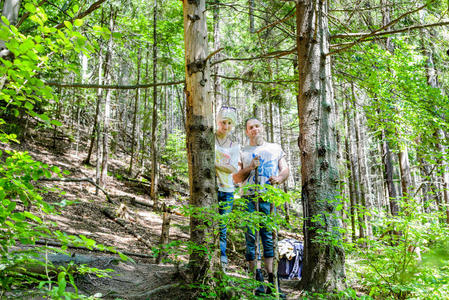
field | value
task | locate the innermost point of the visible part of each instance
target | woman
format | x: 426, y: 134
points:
x: 227, y: 153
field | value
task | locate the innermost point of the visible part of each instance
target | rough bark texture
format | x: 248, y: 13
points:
x: 200, y: 134
x: 323, y: 254
x: 154, y: 160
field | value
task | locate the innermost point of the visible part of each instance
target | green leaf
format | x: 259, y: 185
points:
x: 68, y: 25
x: 30, y: 7
x: 32, y: 217
x: 44, y: 118
x: 56, y: 169
x: 56, y: 123
x: 5, y: 20
x: 78, y: 22
x: 28, y: 106
x: 62, y: 283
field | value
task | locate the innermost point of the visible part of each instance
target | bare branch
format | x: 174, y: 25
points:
x: 255, y: 81
x: 111, y: 86
x: 365, y: 36
x: 381, y: 29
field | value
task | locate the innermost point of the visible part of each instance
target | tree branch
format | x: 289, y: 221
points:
x: 254, y: 81
x: 381, y: 29
x: 363, y: 34
x: 110, y: 86
x: 92, y: 8
x: 27, y: 14
x: 380, y: 34
x: 275, y: 54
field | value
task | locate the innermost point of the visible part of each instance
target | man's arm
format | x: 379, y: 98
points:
x: 225, y: 168
x: 284, y: 171
x: 243, y: 173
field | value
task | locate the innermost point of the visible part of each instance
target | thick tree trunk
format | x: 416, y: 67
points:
x: 154, y: 160
x: 200, y: 135
x: 323, y: 258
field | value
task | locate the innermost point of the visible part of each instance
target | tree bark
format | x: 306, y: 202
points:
x: 323, y: 258
x: 107, y: 107
x: 351, y: 175
x: 200, y: 135
x: 154, y: 160
x: 136, y: 111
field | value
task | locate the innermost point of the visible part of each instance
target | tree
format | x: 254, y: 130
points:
x: 200, y: 134
x: 323, y: 252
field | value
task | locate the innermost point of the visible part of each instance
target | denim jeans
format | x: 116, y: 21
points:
x: 225, y: 202
x: 265, y: 235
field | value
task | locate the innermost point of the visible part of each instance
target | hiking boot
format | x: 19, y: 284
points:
x: 271, y: 291
x: 260, y: 290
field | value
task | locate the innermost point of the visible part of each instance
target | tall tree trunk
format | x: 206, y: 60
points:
x: 363, y: 174
x: 218, y: 97
x: 351, y: 175
x: 136, y: 111
x: 200, y: 134
x: 154, y: 160
x: 251, y: 16
x: 323, y: 260
x: 404, y: 167
x: 107, y: 106
x: 388, y: 175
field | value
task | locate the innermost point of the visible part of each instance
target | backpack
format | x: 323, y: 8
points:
x: 290, y: 258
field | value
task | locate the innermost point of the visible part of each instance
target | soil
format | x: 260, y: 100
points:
x: 135, y: 229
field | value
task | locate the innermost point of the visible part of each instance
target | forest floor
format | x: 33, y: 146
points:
x: 128, y: 223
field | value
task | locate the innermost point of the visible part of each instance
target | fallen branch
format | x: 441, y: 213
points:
x: 90, y: 180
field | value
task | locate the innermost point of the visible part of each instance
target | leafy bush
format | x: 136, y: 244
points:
x: 408, y: 259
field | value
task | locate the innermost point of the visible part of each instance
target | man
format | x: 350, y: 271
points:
x: 272, y: 167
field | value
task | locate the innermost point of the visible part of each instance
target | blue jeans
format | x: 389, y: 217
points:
x: 225, y: 202
x: 265, y: 235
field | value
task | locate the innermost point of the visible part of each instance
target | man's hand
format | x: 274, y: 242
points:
x: 254, y: 163
x: 275, y: 180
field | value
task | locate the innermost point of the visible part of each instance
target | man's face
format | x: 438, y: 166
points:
x: 254, y: 128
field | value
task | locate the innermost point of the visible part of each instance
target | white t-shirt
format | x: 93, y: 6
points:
x: 224, y: 155
x: 269, y: 156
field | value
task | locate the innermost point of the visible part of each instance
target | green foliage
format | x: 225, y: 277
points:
x: 175, y: 153
x: 23, y: 222
x: 407, y: 259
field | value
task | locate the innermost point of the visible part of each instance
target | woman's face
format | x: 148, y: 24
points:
x: 224, y: 126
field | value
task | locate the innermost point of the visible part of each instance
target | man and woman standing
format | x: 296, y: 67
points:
x: 272, y: 168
